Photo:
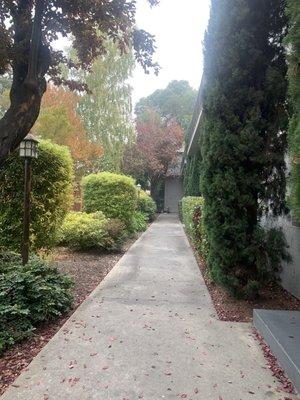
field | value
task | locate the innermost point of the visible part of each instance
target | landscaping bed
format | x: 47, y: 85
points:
x: 228, y: 308
x: 87, y: 269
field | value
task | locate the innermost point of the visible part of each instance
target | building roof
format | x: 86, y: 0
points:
x: 192, y: 137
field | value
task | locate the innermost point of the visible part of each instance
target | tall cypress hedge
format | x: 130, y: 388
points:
x: 244, y: 141
x: 191, y: 178
x: 293, y: 42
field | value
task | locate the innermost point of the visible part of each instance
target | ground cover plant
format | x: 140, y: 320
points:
x: 29, y: 296
x: 86, y: 269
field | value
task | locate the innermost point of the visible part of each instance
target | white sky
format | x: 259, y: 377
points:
x: 179, y: 27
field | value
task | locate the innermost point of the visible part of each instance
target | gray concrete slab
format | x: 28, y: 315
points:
x: 149, y: 332
x: 281, y: 330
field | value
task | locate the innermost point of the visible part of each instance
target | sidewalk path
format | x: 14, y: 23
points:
x: 149, y: 332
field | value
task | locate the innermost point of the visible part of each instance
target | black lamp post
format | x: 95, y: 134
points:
x: 28, y: 151
x: 138, y: 187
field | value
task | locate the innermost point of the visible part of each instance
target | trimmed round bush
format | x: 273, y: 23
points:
x: 82, y: 231
x: 29, y: 295
x: 115, y: 195
x: 146, y: 205
x: 51, y: 196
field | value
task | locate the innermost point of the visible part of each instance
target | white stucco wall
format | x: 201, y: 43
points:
x: 173, y: 193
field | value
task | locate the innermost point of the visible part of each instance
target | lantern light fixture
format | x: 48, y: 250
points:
x: 27, y: 151
x: 28, y: 147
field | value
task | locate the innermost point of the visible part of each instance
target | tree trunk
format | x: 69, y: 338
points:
x: 30, y: 64
x: 20, y: 117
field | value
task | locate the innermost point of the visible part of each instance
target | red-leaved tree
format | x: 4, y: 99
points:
x: 155, y: 149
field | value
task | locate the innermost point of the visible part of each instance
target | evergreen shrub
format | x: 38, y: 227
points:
x: 139, y: 222
x: 51, y: 196
x: 191, y: 177
x: 82, y: 231
x: 116, y: 232
x: 29, y: 295
x: 293, y: 43
x: 113, y: 194
x: 243, y: 141
x: 191, y: 209
x: 146, y: 205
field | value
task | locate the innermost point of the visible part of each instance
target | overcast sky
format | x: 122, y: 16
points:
x: 179, y: 27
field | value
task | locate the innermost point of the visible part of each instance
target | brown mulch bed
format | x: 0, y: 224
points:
x: 273, y: 297
x: 87, y: 270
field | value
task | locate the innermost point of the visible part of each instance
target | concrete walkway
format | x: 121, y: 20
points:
x: 149, y: 332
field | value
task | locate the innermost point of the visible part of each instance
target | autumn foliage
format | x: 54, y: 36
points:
x: 156, y: 147
x: 60, y: 122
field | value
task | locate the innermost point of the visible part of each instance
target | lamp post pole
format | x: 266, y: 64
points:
x: 139, y: 188
x: 26, y: 212
x: 28, y: 151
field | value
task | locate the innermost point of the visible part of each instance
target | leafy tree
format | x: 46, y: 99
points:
x: 155, y: 150
x: 244, y: 140
x: 60, y: 122
x: 293, y: 41
x: 107, y: 111
x: 27, y: 30
x: 175, y: 102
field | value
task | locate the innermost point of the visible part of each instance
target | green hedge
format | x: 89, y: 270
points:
x: 82, y: 231
x: 146, y: 205
x: 191, y: 178
x: 115, y: 195
x: 29, y: 295
x: 52, y: 191
x: 293, y: 44
x: 191, y: 213
x: 139, y: 222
